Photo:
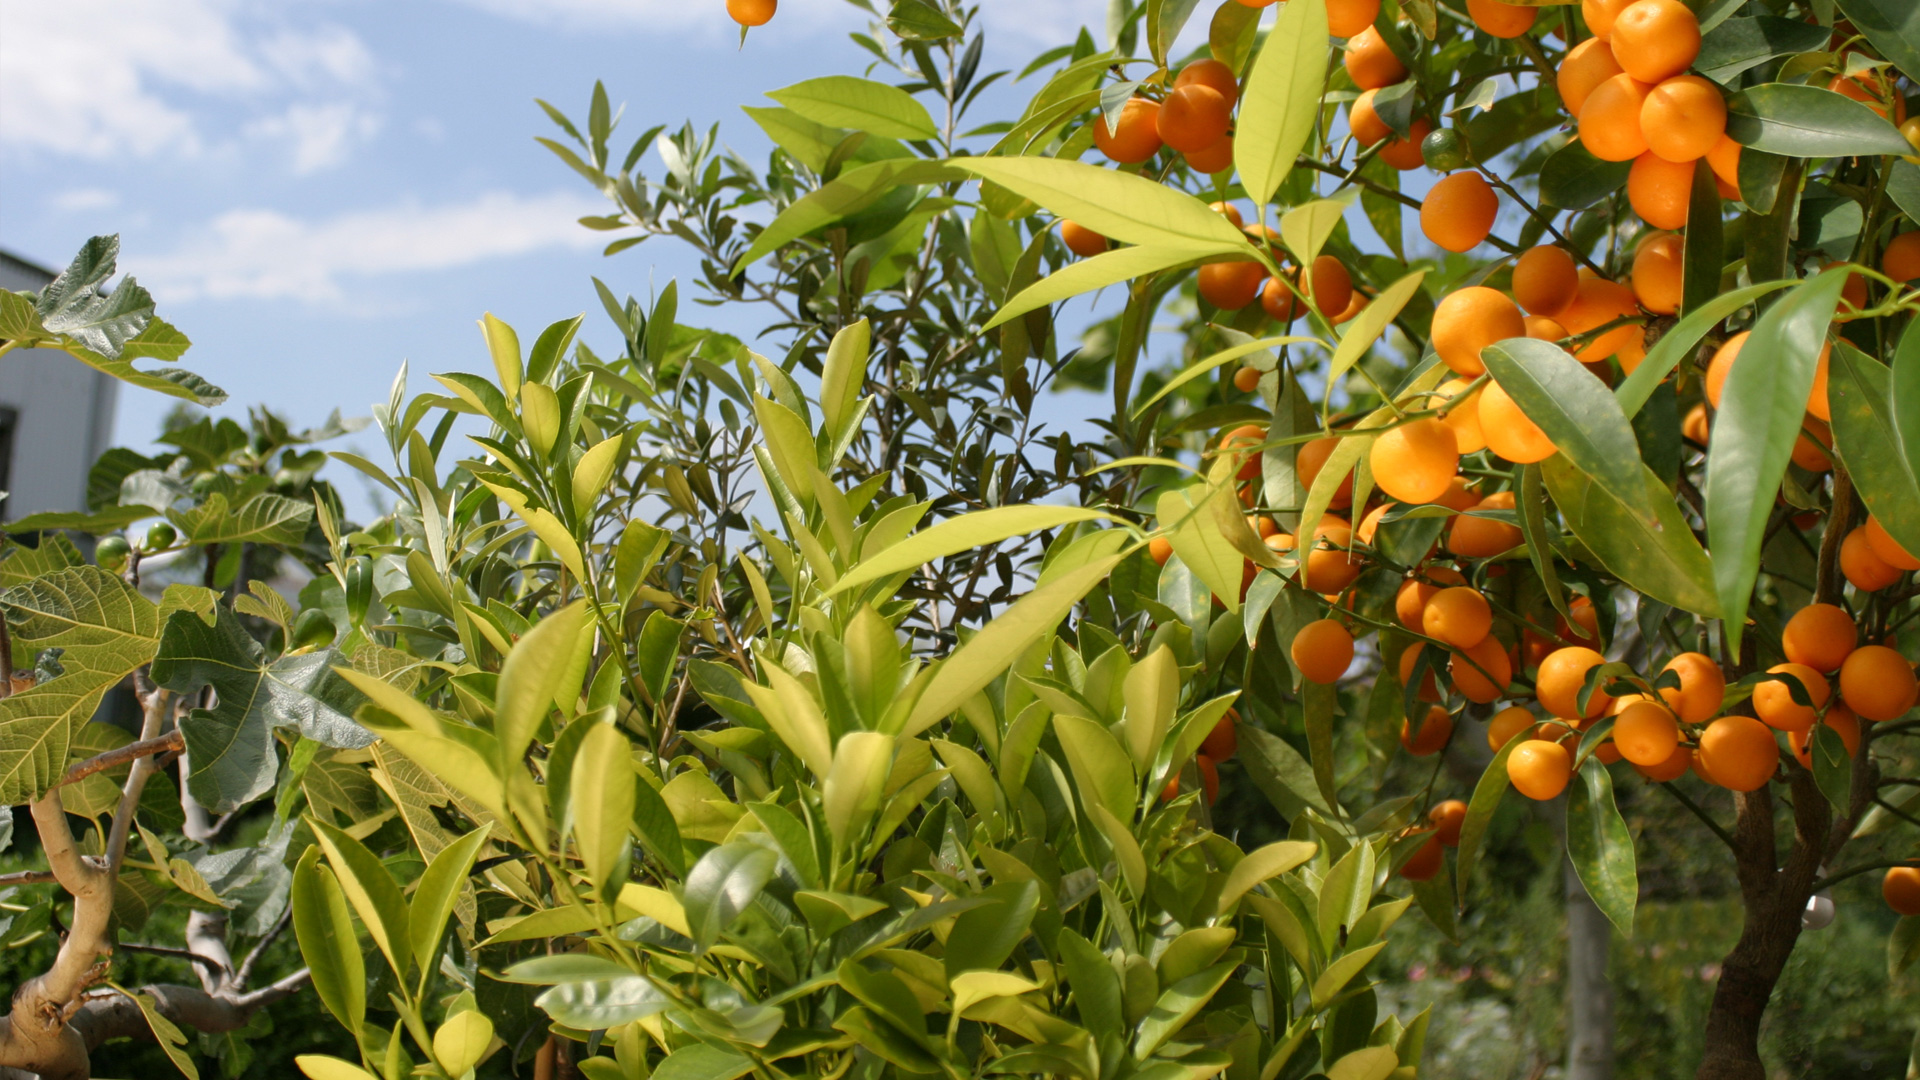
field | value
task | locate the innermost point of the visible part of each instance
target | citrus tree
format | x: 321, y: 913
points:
x: 814, y: 705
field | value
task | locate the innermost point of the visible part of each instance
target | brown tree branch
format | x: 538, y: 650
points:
x: 115, y: 758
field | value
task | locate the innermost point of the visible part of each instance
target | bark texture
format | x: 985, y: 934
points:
x: 1589, y: 988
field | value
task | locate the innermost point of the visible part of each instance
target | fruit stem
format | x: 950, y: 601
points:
x: 1826, y: 578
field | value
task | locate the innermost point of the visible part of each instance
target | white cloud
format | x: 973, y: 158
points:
x: 266, y: 254
x: 77, y: 200
x: 103, y: 79
x: 321, y: 135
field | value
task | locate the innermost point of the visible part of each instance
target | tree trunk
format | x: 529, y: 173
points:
x: 1589, y: 989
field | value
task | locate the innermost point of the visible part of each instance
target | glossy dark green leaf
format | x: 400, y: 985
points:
x: 1578, y: 413
x: 1530, y: 500
x: 1739, y: 44
x: 1279, y: 772
x: 1705, y: 241
x: 884, y: 1041
x: 1859, y: 389
x: 1600, y: 846
x: 1809, y: 121
x: 1832, y: 766
x: 1903, y: 187
x: 1761, y: 407
x: 1759, y: 179
x: 1480, y: 807
x: 1573, y: 179
x: 983, y: 938
x: 722, y: 884
x: 1663, y: 560
x: 1892, y: 27
x: 1904, y: 398
x: 699, y: 1061
x: 1095, y: 986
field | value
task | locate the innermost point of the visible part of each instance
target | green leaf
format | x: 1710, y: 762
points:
x: 1662, y: 559
x: 602, y: 798
x: 328, y: 944
x: 106, y: 629
x: 599, y: 1003
x: 1573, y: 179
x: 1280, y: 772
x: 1600, y: 847
x: 1676, y: 343
x: 1180, y: 1002
x: 722, y: 884
x: 263, y: 519
x: 915, y: 20
x: 1903, y: 400
x: 1262, y: 864
x: 172, y: 1040
x: 852, y: 192
x: 1809, y: 121
x: 370, y: 888
x: 703, y: 1062
x: 1373, y: 320
x: 844, y: 101
x: 462, y: 1041
x: 531, y: 679
x: 842, y: 376
x: 1087, y: 275
x: 18, y: 319
x: 980, y: 529
x: 1761, y: 407
x: 1101, y: 770
x: 438, y: 892
x: 1480, y: 807
x: 1188, y: 514
x: 1117, y: 205
x: 993, y: 650
x: 173, y: 382
x: 78, y: 304
x: 231, y: 752
x: 1227, y: 356
x: 322, y: 1067
x: 1903, y: 945
x: 983, y: 938
x: 1832, y: 766
x: 855, y: 783
x: 1860, y: 389
x: 1281, y: 99
x: 1306, y: 228
x: 1892, y: 27
x: 1095, y: 985
x: 1739, y: 44
x: 1579, y: 414
x: 1705, y: 242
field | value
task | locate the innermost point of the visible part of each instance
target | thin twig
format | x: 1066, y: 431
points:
x: 1687, y: 802
x: 168, y: 950
x: 279, y: 927
x: 113, y: 759
x: 1831, y: 880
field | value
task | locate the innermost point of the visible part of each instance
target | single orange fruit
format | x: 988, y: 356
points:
x: 1877, y: 683
x: 1702, y: 687
x: 1853, y: 295
x: 1819, y: 636
x: 1721, y: 364
x: 1541, y: 328
x: 1601, y: 15
x: 1811, y: 445
x: 1584, y: 628
x: 1683, y: 118
x: 1279, y: 301
x: 1370, y: 63
x: 1227, y: 210
x: 1135, y: 138
x: 1332, y: 285
x: 1774, y: 703
x: 1507, y: 723
x: 1462, y: 415
x: 1724, y: 158
x: 1412, y: 463
x: 1221, y: 743
x: 1481, y: 672
x: 1864, y: 569
x: 1887, y: 547
x: 1901, y: 888
x: 1483, y: 538
x: 1510, y: 434
x: 1410, y: 659
x: 1586, y: 66
x: 1330, y: 566
x: 1471, y: 319
x: 1193, y: 117
x: 1673, y: 768
x: 1262, y: 525
x: 1738, y: 752
x: 1230, y: 286
x: 1212, y: 74
x: 1431, y: 736
x: 1646, y: 733
x: 1540, y: 769
x: 1610, y: 119
x: 1659, y: 190
x: 1658, y: 273
x: 1364, y: 122
x: 1844, y: 724
x: 1209, y: 778
x: 1501, y: 20
x: 1459, y: 616
x: 1426, y: 860
x: 1458, y: 212
x: 1562, y: 674
x: 1446, y: 819
x: 1696, y: 428
x: 1868, y: 89
x: 1160, y: 549
x: 1405, y: 154
x: 751, y: 12
x: 1345, y: 18
x: 1596, y: 303
x: 1081, y: 240
x: 1246, y: 379
x: 1323, y: 651
x: 1213, y: 159
x: 1410, y: 602
x: 1308, y: 462
x: 1656, y: 39
x: 1545, y: 280
x: 1901, y: 260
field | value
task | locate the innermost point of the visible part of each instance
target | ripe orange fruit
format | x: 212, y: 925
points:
x: 1841, y: 720
x: 1193, y: 117
x: 1545, y: 280
x: 1596, y: 303
x: 1724, y: 158
x: 1586, y: 66
x: 1160, y: 549
x: 1311, y: 457
x: 1281, y: 542
x: 1471, y: 319
x: 1446, y: 819
x: 751, y: 12
x: 1773, y: 701
x: 1227, y: 210
x: 1458, y: 212
x: 1695, y: 427
x: 1483, y: 538
x: 1738, y: 752
x: 1432, y: 734
x: 1656, y: 39
x: 1501, y: 20
x: 1459, y: 616
x: 1215, y: 158
x: 1081, y: 240
x: 1330, y: 566
x: 1345, y: 18
x: 1610, y: 119
x: 1683, y: 118
x: 1462, y: 415
x: 1323, y: 650
x: 1819, y: 636
x: 1481, y: 675
x: 1673, y: 768
x: 1646, y: 733
x: 1413, y: 463
x: 1544, y: 329
x: 1702, y: 687
x: 1364, y: 122
x: 1901, y: 260
x: 1810, y: 447
x: 1659, y: 189
x: 1877, y: 683
x: 1720, y: 365
x: 1410, y: 659
x: 1405, y: 154
x: 1221, y: 743
x: 1887, y: 547
x: 1332, y: 285
x: 1901, y: 888
x: 1425, y: 862
x: 1562, y: 674
x: 1853, y: 295
x: 1864, y: 569
x: 1510, y: 434
x: 1277, y: 299
x: 1230, y: 286
x: 1410, y: 603
x: 1869, y: 90
x: 1209, y: 778
x: 1135, y: 138
x: 1657, y: 273
x: 1601, y: 15
x: 1244, y: 439
x: 1370, y: 63
x: 1585, y: 627
x: 1212, y: 74
x: 1262, y: 525
x: 1246, y: 379
x: 1507, y: 723
x: 1540, y: 769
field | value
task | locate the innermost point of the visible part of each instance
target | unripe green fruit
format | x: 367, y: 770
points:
x: 1444, y: 150
x: 160, y: 537
x: 111, y: 553
x: 313, y: 630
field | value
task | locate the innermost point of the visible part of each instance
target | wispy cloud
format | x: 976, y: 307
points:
x: 78, y: 200
x: 101, y: 79
x: 267, y: 254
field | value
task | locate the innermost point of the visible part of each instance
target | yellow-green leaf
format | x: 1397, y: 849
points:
x: 1281, y: 98
x: 1117, y: 205
x: 964, y: 533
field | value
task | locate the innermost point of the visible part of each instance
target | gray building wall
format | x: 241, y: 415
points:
x: 60, y: 413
